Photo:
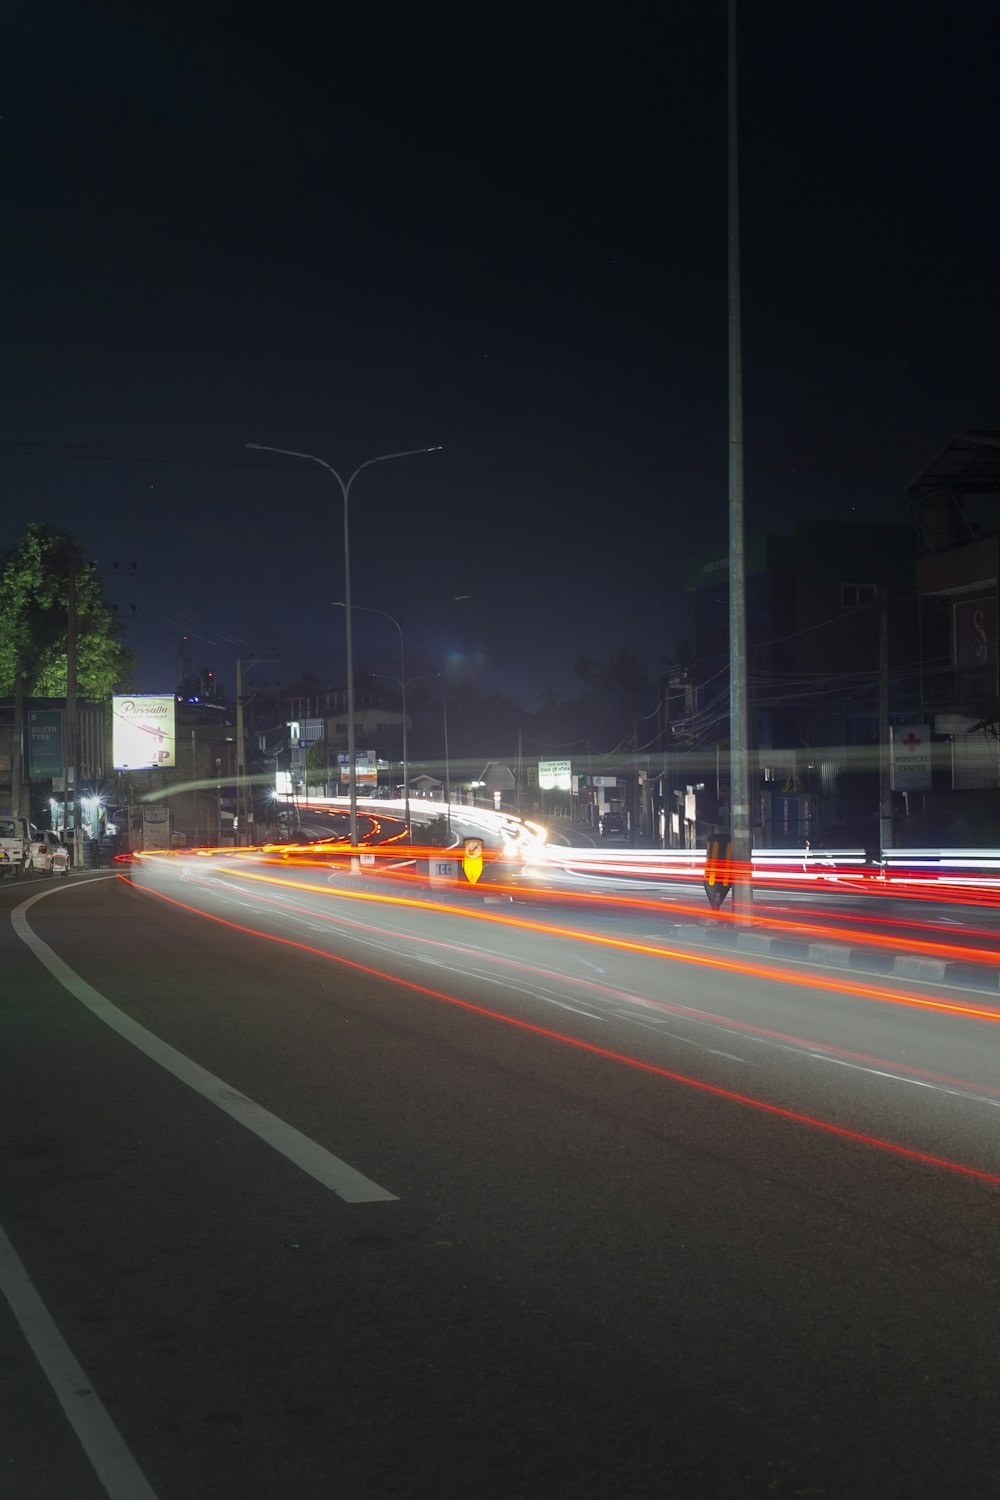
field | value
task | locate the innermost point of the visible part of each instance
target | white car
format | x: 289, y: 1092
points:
x: 47, y: 854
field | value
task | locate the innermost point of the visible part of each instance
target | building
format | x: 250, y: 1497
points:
x: 954, y: 504
x: 831, y: 633
x: 33, y: 759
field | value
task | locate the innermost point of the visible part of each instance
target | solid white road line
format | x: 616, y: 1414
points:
x: 101, y: 1441
x: 307, y: 1154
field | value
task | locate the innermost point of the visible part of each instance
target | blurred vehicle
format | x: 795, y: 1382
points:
x: 47, y: 854
x: 16, y: 836
x: 613, y: 826
x: 309, y: 851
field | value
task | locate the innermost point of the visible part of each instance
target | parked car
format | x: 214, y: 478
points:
x: 613, y: 826
x: 15, y: 843
x: 47, y: 854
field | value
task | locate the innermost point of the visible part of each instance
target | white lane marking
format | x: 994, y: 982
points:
x: 652, y: 1022
x: 919, y: 1083
x: 312, y: 1158
x: 562, y: 1004
x: 534, y: 992
x: 588, y: 964
x: 100, y: 1439
x: 656, y: 1025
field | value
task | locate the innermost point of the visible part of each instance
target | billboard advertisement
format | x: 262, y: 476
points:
x: 555, y: 775
x: 365, y: 768
x: 45, y: 743
x: 911, y: 758
x: 143, y: 730
x: 156, y: 828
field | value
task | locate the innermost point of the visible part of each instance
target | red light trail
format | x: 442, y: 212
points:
x: 747, y: 969
x: 747, y: 1101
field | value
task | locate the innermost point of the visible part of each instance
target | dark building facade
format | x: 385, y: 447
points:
x: 832, y: 632
x: 954, y: 504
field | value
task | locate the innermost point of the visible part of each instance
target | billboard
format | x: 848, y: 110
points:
x: 365, y: 768
x: 143, y: 731
x: 555, y: 775
x: 911, y: 758
x: 45, y: 743
x: 156, y: 828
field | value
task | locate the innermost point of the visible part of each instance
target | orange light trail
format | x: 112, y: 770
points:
x: 806, y: 923
x: 762, y: 1106
x: 673, y: 1008
x: 748, y: 970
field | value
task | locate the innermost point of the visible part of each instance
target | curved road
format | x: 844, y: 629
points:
x: 337, y: 1185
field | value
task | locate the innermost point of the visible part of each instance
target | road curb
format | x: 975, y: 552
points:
x: 843, y: 956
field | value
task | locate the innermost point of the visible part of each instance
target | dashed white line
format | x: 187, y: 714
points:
x: 919, y: 1083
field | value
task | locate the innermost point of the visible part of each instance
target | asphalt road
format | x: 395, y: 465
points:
x: 862, y: 911
x: 332, y: 1197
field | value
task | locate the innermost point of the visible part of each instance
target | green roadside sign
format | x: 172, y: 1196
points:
x: 45, y: 743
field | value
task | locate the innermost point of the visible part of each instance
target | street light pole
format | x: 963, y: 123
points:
x: 339, y: 604
x: 447, y: 761
x: 345, y: 490
x: 740, y: 810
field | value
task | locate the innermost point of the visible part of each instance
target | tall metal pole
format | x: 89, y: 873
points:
x: 739, y: 758
x: 244, y: 796
x: 72, y: 768
x: 406, y: 755
x: 352, y: 765
x: 17, y: 776
x: 884, y: 738
x: 447, y: 761
x: 241, y: 760
x: 345, y: 490
x: 402, y: 684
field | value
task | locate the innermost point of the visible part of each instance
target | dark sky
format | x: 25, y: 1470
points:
x: 354, y: 230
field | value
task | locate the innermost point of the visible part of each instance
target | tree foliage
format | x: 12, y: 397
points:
x: 317, y: 764
x: 35, y: 577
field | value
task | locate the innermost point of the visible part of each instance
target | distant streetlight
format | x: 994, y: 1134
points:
x: 339, y: 604
x: 345, y: 490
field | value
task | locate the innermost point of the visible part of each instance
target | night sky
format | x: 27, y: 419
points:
x: 355, y: 230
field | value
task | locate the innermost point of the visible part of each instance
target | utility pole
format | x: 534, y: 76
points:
x: 447, y: 760
x: 241, y: 757
x: 739, y: 750
x: 244, y: 797
x: 17, y: 747
x: 884, y: 771
x: 71, y: 805
x: 194, y: 784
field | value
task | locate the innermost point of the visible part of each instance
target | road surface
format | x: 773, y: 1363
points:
x: 332, y: 1196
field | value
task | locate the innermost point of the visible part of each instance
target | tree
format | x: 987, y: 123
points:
x: 317, y: 765
x: 35, y: 583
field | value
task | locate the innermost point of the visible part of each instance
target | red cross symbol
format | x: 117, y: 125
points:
x: 912, y: 741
